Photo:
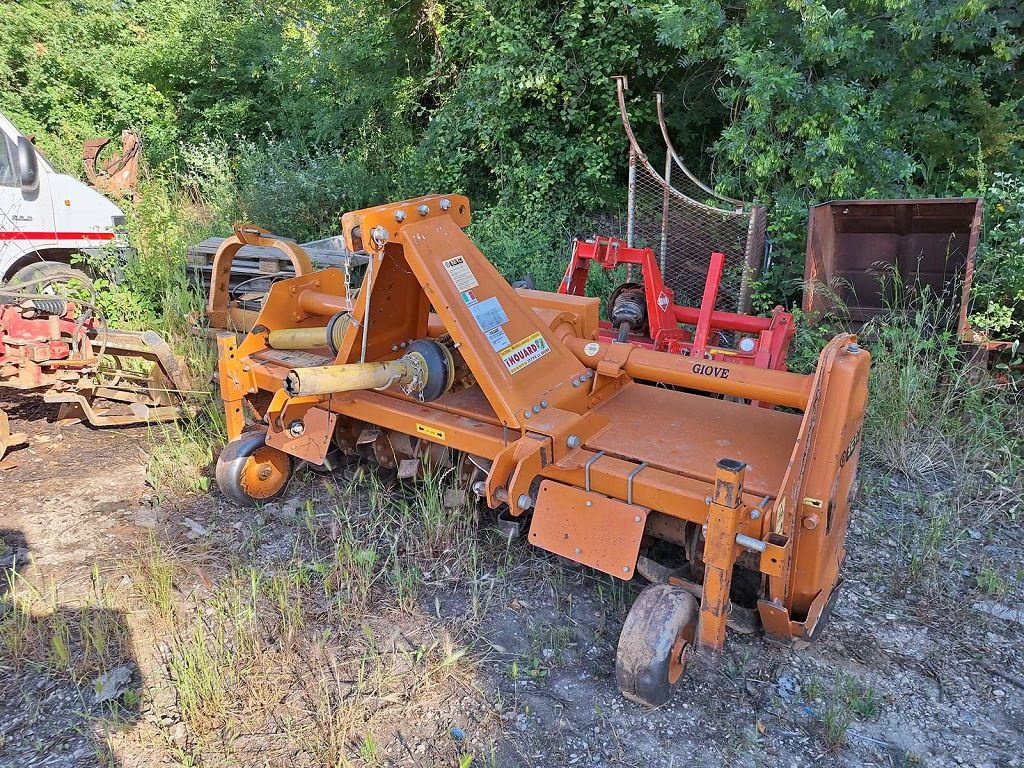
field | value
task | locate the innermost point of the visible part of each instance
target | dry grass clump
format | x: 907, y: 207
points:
x: 326, y: 643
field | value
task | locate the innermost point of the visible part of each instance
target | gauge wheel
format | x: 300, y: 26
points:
x: 250, y: 472
x: 654, y: 644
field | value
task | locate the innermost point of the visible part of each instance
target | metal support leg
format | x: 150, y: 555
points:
x: 720, y: 551
x: 663, y: 250
x: 232, y: 385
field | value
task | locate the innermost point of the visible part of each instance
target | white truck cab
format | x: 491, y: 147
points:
x: 47, y: 217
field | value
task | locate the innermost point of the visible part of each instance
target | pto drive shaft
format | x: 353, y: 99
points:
x: 427, y: 370
x: 328, y: 379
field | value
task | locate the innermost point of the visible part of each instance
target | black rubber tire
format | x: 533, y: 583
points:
x: 643, y: 660
x: 62, y: 274
x: 231, y: 464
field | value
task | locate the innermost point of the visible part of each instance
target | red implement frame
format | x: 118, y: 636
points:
x: 48, y: 344
x: 684, y: 330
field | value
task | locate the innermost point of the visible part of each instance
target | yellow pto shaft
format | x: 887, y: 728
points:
x: 324, y: 380
x: 330, y: 335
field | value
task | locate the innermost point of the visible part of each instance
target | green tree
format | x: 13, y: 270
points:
x: 524, y: 99
x: 846, y: 99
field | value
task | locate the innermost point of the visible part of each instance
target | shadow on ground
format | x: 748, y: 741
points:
x: 67, y: 676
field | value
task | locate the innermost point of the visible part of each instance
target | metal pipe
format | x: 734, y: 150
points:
x: 748, y: 542
x: 364, y: 327
x: 662, y: 253
x: 726, y: 321
x: 631, y: 198
x: 324, y: 304
x: 328, y: 379
x: 749, y: 269
x: 630, y: 208
x: 730, y: 379
x: 330, y: 335
x: 297, y: 338
x: 672, y: 154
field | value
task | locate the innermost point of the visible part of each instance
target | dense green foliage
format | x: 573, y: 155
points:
x: 872, y: 98
x: 300, y: 109
x: 999, y: 279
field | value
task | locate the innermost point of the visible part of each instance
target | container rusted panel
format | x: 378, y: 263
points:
x: 851, y: 244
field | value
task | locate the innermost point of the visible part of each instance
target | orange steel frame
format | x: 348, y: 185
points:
x: 221, y: 312
x: 557, y: 432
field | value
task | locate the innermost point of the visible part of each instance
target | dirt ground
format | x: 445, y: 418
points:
x: 513, y: 667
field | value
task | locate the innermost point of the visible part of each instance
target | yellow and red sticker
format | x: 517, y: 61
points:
x: 521, y: 354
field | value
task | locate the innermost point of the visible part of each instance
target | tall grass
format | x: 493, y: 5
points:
x: 933, y: 412
x: 74, y: 639
x: 154, y: 292
x: 212, y: 654
x: 183, y: 450
x: 937, y: 418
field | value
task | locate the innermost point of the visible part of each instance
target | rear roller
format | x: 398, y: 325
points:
x: 655, y: 642
x: 249, y: 471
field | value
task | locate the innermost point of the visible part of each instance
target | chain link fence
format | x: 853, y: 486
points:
x: 684, y: 221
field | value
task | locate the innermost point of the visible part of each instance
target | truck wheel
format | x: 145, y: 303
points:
x: 55, y: 277
x: 249, y: 471
x: 654, y: 644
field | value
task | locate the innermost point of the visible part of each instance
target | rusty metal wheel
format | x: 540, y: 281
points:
x: 654, y: 644
x: 249, y: 471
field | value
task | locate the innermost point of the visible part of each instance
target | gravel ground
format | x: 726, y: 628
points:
x: 912, y: 670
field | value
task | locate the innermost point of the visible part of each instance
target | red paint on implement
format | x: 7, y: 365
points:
x: 56, y: 235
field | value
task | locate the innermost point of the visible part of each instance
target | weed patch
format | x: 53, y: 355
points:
x: 945, y: 437
x: 845, y: 702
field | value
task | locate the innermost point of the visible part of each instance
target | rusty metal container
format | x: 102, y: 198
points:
x: 851, y: 244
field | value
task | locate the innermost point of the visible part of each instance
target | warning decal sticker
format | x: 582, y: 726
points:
x: 460, y: 273
x: 520, y: 355
x: 488, y: 313
x: 423, y: 429
x: 498, y: 338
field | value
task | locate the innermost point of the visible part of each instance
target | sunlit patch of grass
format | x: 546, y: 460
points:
x: 846, y: 701
x: 990, y: 580
x: 183, y: 451
x: 949, y: 436
x: 77, y: 639
x: 348, y: 690
x: 212, y: 656
x: 153, y: 572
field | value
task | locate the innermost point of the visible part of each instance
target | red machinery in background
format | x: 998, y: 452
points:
x: 646, y: 314
x: 104, y: 376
